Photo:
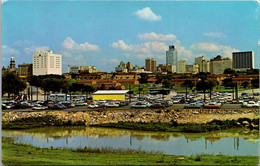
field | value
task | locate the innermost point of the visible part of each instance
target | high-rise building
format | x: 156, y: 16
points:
x: 181, y: 66
x: 194, y: 69
x: 198, y: 61
x: 129, y: 66
x: 205, y: 66
x: 46, y: 62
x: 171, y: 56
x: 243, y: 60
x: 150, y: 64
x: 25, y: 70
x: 218, y: 65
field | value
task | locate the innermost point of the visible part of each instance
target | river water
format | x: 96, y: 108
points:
x: 229, y: 142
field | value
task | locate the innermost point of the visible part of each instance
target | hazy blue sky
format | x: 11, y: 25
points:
x: 104, y: 33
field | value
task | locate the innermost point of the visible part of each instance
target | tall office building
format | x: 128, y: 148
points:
x: 198, y: 61
x: 25, y: 70
x: 46, y: 62
x: 243, y: 60
x: 218, y: 65
x: 205, y: 66
x: 181, y: 66
x: 171, y: 56
x: 150, y: 64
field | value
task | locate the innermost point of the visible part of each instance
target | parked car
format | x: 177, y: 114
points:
x: 40, y: 107
x: 57, y: 107
x: 157, y: 105
x: 139, y: 105
x: 234, y: 102
x: 192, y: 105
x: 93, y: 105
x: 112, y: 105
x: 80, y: 104
x: 212, y: 105
x: 250, y: 104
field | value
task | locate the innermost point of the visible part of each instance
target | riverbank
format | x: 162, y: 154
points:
x: 21, y: 154
x: 187, y: 120
x: 187, y: 127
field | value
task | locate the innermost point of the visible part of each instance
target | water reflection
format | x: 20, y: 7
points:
x: 229, y: 142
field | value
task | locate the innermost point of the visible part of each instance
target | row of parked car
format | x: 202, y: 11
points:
x: 41, y: 105
x: 108, y: 104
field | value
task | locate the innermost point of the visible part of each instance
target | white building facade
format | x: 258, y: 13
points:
x: 46, y: 62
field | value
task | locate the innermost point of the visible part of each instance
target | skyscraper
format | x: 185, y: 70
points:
x: 243, y: 60
x: 150, y: 64
x: 198, y: 61
x: 171, y: 56
x: 45, y: 62
x: 181, y: 66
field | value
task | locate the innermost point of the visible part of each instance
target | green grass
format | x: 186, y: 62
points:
x: 21, y: 154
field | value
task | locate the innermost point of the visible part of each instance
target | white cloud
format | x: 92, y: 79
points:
x: 209, y: 47
x: 31, y: 50
x: 121, y: 45
x: 225, y: 51
x: 157, y: 36
x: 146, y: 47
x: 8, y: 51
x: 70, y: 44
x: 215, y: 34
x: 23, y: 43
x: 147, y: 14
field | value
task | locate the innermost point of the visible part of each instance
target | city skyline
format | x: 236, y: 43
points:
x: 86, y: 33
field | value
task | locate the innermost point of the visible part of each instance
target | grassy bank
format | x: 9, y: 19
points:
x: 21, y: 154
x: 189, y: 127
x: 32, y: 122
x: 173, y: 126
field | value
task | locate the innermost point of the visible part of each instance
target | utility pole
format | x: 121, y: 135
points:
x: 130, y: 93
x: 236, y: 92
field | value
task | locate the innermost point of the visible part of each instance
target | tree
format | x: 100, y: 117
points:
x: 65, y: 87
x: 202, y: 76
x: 255, y: 83
x: 228, y: 83
x: 229, y: 71
x: 202, y: 86
x: 12, y: 84
x: 88, y: 89
x: 245, y: 84
x: 187, y: 83
x: 252, y: 71
x: 167, y: 83
x: 210, y: 85
x: 143, y: 79
x: 159, y: 79
x: 35, y: 81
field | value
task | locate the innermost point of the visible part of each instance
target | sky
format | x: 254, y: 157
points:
x: 103, y: 33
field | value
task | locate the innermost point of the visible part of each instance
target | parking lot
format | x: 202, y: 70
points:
x: 175, y: 101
